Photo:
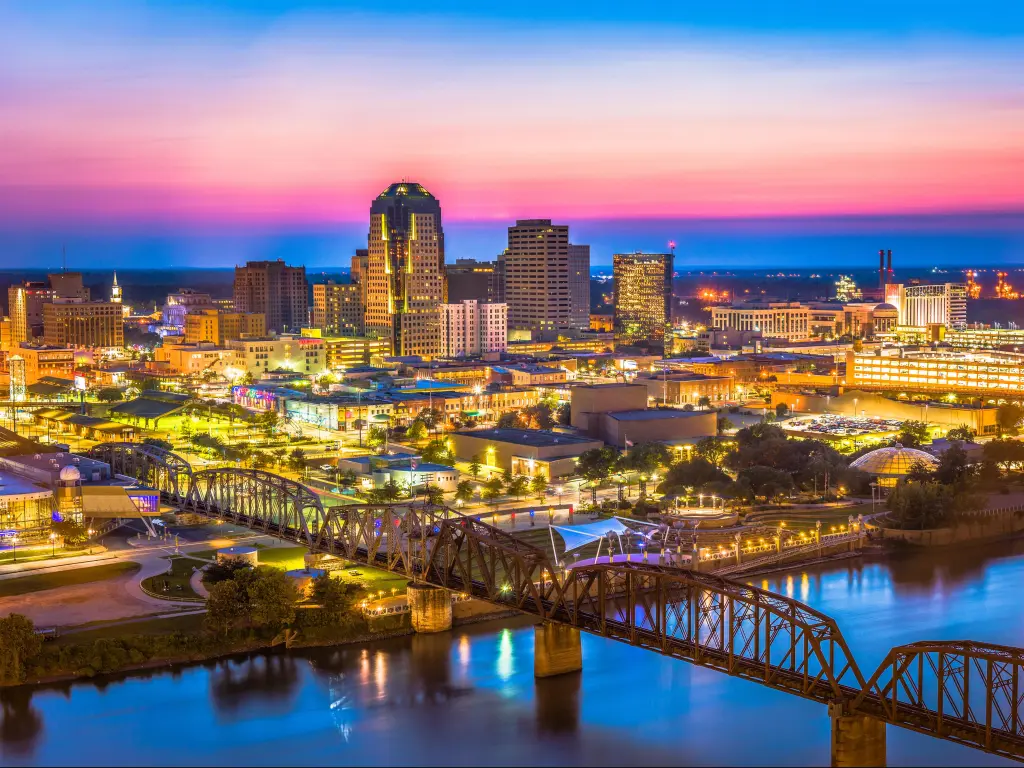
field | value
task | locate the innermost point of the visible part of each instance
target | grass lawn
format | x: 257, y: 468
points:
x: 177, y: 580
x: 190, y: 624
x: 288, y: 558
x: 39, y: 581
x: 38, y: 553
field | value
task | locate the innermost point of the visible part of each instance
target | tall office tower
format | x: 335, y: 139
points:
x: 25, y: 307
x: 537, y: 277
x: 338, y: 308
x: 922, y: 305
x: 360, y: 262
x: 579, y: 286
x: 405, y: 274
x: 276, y: 291
x: 473, y: 328
x: 68, y: 285
x: 499, y: 277
x: 643, y: 295
x: 80, y: 323
x: 471, y: 280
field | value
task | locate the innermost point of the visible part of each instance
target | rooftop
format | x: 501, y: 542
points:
x: 536, y: 438
x: 15, y: 485
x: 655, y: 414
x: 405, y: 189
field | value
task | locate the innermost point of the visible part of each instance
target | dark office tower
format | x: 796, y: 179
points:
x: 471, y: 280
x: 499, y: 277
x: 579, y: 286
x: 643, y: 295
x: 405, y: 274
x: 537, y: 277
x: 276, y: 291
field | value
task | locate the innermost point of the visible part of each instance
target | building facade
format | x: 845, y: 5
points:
x: 643, y: 295
x: 25, y: 307
x: 338, y: 308
x: 276, y: 291
x: 984, y: 374
x: 302, y: 355
x: 775, y: 319
x: 469, y: 279
x: 579, y: 286
x: 405, y: 274
x: 923, y: 305
x: 215, y: 326
x: 536, y: 271
x: 181, y: 303
x: 79, y: 323
x: 472, y: 328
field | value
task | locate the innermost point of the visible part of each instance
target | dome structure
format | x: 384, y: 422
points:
x: 885, y: 308
x: 69, y: 475
x: 405, y: 189
x: 890, y: 465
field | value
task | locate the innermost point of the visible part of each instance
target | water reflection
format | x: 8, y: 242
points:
x: 237, y: 684
x: 558, y: 703
x: 21, y: 725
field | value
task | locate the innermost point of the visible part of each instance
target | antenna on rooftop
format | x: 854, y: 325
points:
x: 63, y: 258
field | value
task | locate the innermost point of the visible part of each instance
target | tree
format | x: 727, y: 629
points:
x: 474, y: 465
x: 595, y: 466
x: 268, y: 421
x: 953, y: 468
x: 335, y: 597
x: 646, y: 459
x: 377, y: 438
x: 70, y: 530
x: 913, y: 434
x: 224, y: 607
x: 962, y: 433
x: 269, y: 597
x: 297, y: 460
x: 437, y: 452
x: 493, y: 488
x: 156, y: 442
x: 506, y: 476
x: 711, y: 450
x: 109, y: 395
x: 697, y: 473
x: 417, y: 430
x: 511, y: 420
x: 764, y: 482
x: 539, y: 486
x: 432, y: 494
x: 922, y: 505
x: 689, y: 407
x: 781, y: 411
x: 519, y: 486
x: 704, y: 402
x: 1009, y: 417
x: 540, y: 416
x: 19, y: 644
x: 388, y: 493
x: 1005, y: 453
x: 724, y: 424
x: 464, y: 491
x: 260, y: 460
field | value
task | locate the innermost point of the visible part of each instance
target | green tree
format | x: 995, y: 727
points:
x: 417, y: 430
x: 724, y: 424
x: 19, y: 644
x: 377, y: 438
x: 474, y: 465
x: 388, y: 493
x: 540, y: 416
x: 336, y: 597
x: 432, y: 494
x: 704, y: 402
x: 698, y: 474
x: 764, y: 482
x: 539, y: 486
x: 781, y: 411
x: 70, y: 530
x: 711, y: 450
x: 953, y: 468
x: 511, y: 420
x: 297, y: 460
x: 225, y: 607
x: 437, y: 452
x: 156, y: 442
x: 962, y: 433
x: 595, y: 466
x: 493, y: 488
x: 269, y: 597
x: 268, y: 422
x: 506, y: 476
x: 1009, y: 417
x: 519, y: 486
x: 913, y: 434
x: 926, y: 505
x: 109, y: 395
x: 464, y: 491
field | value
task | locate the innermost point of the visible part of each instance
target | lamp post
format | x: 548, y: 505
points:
x: 53, y: 545
x: 874, y: 488
x: 14, y: 543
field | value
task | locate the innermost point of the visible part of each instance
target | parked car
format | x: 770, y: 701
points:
x: 326, y: 467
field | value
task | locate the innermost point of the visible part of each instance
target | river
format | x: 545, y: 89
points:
x: 469, y: 697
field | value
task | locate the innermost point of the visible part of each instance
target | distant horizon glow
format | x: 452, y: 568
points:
x: 237, y: 120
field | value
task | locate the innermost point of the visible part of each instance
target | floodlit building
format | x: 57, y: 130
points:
x: 405, y: 275
x: 216, y: 326
x: 987, y: 374
x: 643, y: 295
x: 179, y: 304
x: 80, y: 323
x: 338, y: 308
x: 529, y: 452
x: 536, y: 272
x: 773, y: 319
x: 472, y: 328
x: 923, y: 305
x: 890, y: 465
x: 301, y: 355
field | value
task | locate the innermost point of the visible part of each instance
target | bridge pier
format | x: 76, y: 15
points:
x: 556, y: 650
x: 430, y: 607
x: 857, y: 740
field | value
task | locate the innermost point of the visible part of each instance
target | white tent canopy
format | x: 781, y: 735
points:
x: 576, y: 536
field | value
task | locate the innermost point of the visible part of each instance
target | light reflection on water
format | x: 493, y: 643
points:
x: 469, y: 696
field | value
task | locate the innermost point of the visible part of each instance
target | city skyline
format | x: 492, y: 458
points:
x: 204, y: 128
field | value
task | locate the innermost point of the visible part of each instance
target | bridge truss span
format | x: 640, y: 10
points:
x: 151, y: 465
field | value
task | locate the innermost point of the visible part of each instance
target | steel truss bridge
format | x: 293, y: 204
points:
x: 970, y: 693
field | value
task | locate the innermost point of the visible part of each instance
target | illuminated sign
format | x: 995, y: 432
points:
x: 253, y: 398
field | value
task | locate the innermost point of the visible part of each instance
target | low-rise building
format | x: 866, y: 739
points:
x: 472, y: 328
x: 302, y: 355
x: 604, y: 398
x: 623, y: 429
x: 686, y: 387
x: 344, y: 352
x: 196, y: 358
x: 989, y: 375
x: 528, y: 375
x: 47, y: 361
x: 523, y: 451
x: 216, y: 326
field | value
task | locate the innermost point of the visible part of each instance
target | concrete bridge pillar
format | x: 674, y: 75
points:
x: 430, y: 607
x: 556, y: 650
x: 857, y: 740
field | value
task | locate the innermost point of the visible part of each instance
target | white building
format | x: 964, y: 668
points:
x: 292, y: 353
x: 923, y: 305
x: 775, y: 319
x: 473, y: 328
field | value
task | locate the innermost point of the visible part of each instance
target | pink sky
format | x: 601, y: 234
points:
x: 305, y: 122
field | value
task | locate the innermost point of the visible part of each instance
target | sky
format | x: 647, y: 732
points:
x: 201, y: 134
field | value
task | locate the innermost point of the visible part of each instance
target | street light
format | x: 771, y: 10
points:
x: 14, y: 543
x: 53, y: 544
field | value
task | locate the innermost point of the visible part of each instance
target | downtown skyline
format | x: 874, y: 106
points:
x: 251, y: 130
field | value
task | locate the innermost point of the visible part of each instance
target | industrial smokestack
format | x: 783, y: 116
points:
x: 881, y: 268
x: 888, y: 257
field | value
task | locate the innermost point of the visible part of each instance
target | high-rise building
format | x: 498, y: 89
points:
x: 68, y: 285
x: 922, y: 305
x: 25, y: 306
x: 537, y: 277
x: 579, y: 286
x: 181, y: 303
x: 276, y: 291
x: 643, y: 295
x: 338, y: 308
x: 79, y: 323
x: 405, y: 274
x: 473, y: 328
x: 216, y: 327
x: 469, y: 279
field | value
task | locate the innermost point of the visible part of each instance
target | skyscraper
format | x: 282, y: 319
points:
x: 472, y: 280
x: 537, y: 277
x: 643, y: 295
x: 338, y: 308
x: 405, y: 273
x: 276, y: 291
x: 579, y: 286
